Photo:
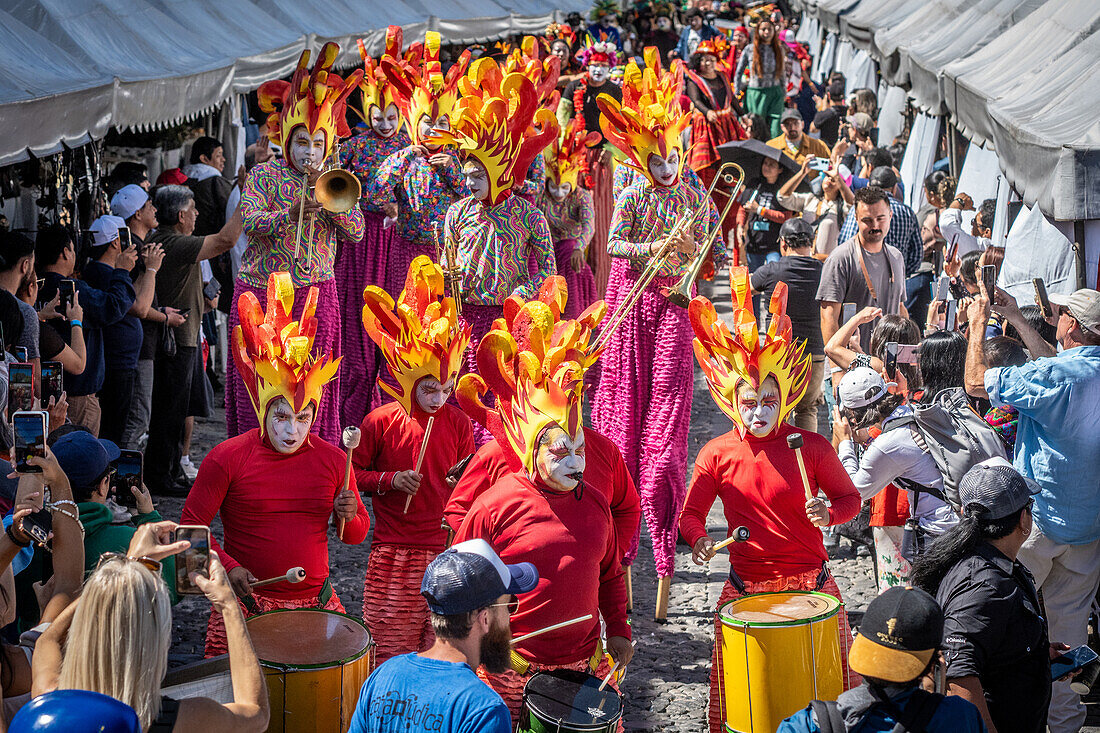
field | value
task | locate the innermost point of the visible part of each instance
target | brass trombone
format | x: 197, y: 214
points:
x: 680, y: 295
x: 337, y: 190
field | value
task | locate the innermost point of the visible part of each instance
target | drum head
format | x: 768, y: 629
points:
x: 779, y: 609
x: 304, y: 638
x: 572, y: 698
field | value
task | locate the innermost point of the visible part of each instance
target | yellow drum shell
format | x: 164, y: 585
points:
x: 315, y: 661
x: 779, y: 651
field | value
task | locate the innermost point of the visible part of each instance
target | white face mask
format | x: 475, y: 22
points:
x: 598, y: 73
x: 427, y: 126
x: 759, y: 408
x: 287, y: 431
x: 477, y: 180
x: 384, y: 124
x: 559, y: 192
x: 559, y: 460
x: 431, y: 395
x: 306, y: 150
x: 665, y: 171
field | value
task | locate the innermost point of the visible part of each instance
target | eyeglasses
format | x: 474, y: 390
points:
x: 512, y: 605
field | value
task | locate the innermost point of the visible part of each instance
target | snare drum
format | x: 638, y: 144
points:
x: 315, y: 661
x: 567, y: 701
x: 779, y: 651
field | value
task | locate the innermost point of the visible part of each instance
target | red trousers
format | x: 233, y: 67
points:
x: 394, y: 610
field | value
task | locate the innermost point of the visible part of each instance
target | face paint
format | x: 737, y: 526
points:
x: 561, y: 50
x: 384, y: 123
x: 559, y: 460
x: 306, y: 150
x: 598, y: 72
x: 427, y: 126
x: 287, y: 430
x: 664, y: 23
x: 665, y: 171
x: 431, y: 395
x: 759, y: 408
x: 559, y: 192
x: 477, y: 180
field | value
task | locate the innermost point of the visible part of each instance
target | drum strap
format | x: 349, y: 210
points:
x: 323, y: 597
x: 822, y: 577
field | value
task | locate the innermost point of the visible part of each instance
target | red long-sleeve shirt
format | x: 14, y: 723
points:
x: 571, y: 543
x: 275, y: 508
x: 604, y: 470
x: 761, y: 488
x: 390, y: 443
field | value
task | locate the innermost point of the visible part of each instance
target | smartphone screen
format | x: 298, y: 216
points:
x: 124, y: 238
x: 943, y: 288
x: 20, y: 387
x: 67, y: 288
x: 22, y: 353
x: 53, y: 382
x: 127, y: 477
x: 195, y: 559
x: 989, y: 279
x: 30, y: 439
x: 891, y: 359
x: 950, y: 315
x: 1071, y: 661
x: 1041, y: 298
x: 908, y: 353
x: 847, y: 312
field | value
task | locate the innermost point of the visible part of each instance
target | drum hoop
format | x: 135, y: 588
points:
x: 562, y: 724
x: 730, y: 621
x: 285, y: 667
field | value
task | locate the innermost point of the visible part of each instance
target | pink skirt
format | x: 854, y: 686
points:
x: 581, y: 286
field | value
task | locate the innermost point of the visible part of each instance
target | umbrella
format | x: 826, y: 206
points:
x: 749, y: 154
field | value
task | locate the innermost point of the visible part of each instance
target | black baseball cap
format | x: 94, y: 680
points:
x: 883, y: 177
x: 470, y: 575
x: 901, y: 630
x: 797, y: 232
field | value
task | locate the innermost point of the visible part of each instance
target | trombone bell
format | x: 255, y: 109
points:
x: 337, y: 190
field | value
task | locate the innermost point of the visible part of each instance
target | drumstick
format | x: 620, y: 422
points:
x: 351, y: 442
x: 741, y: 534
x: 554, y: 627
x: 294, y: 575
x: 420, y: 458
x: 794, y: 442
x: 608, y: 677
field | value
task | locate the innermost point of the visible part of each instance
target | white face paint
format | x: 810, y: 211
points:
x: 559, y: 460
x: 287, y: 430
x: 598, y: 72
x: 306, y: 150
x: 477, y: 180
x: 665, y: 171
x: 431, y: 395
x: 561, y: 50
x: 427, y: 126
x: 759, y: 408
x: 558, y: 192
x: 384, y: 123
x: 664, y: 24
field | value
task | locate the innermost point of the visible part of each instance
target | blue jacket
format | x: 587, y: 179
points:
x: 706, y: 33
x: 954, y: 715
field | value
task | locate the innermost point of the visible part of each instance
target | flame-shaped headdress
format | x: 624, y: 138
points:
x: 649, y: 121
x: 421, y: 335
x: 420, y: 87
x: 565, y: 159
x: 316, y: 99
x: 377, y: 91
x: 534, y: 362
x: 542, y: 69
x: 272, y: 352
x: 499, y: 123
x: 727, y: 359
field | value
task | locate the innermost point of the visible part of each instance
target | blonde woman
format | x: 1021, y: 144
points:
x: 116, y: 639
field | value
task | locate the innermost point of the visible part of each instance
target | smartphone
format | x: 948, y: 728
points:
x: 847, y: 312
x: 20, y: 387
x: 22, y: 354
x: 127, y: 477
x: 989, y: 279
x: 950, y: 315
x: 67, y: 289
x: 124, y: 238
x: 953, y: 248
x: 195, y: 559
x: 30, y: 439
x: 908, y: 353
x: 38, y: 525
x: 1041, y: 298
x: 943, y: 289
x: 891, y: 359
x: 53, y: 382
x: 819, y: 164
x: 1072, y: 661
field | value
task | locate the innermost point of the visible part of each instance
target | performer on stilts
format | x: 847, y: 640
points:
x: 287, y: 229
x: 757, y: 381
x: 277, y: 488
x: 544, y: 512
x: 405, y: 450
x: 643, y: 400
x: 368, y: 261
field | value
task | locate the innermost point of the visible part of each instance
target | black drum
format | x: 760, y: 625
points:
x: 566, y: 701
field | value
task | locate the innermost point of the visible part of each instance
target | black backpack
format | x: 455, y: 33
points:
x: 913, y: 719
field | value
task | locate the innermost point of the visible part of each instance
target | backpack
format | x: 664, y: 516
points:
x: 956, y: 437
x: 913, y: 719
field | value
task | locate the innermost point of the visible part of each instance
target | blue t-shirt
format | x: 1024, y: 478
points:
x: 412, y: 693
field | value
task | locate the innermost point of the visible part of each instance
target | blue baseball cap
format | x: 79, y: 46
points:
x: 128, y: 200
x: 75, y: 711
x: 84, y: 458
x: 470, y: 575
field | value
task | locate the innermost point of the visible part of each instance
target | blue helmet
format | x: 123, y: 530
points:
x: 75, y: 711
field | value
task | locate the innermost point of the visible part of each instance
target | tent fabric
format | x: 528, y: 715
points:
x: 859, y: 22
x: 829, y: 11
x: 74, y: 68
x: 1036, y: 248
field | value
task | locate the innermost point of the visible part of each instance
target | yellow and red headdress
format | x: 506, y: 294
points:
x: 534, y: 362
x: 649, y: 121
x: 273, y: 352
x: 420, y: 336
x: 728, y: 359
x: 499, y: 123
x: 314, y: 99
x: 542, y: 69
x: 419, y: 85
x: 377, y: 91
x: 566, y: 158
x: 559, y: 32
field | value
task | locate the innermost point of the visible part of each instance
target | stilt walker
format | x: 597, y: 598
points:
x: 643, y: 400
x: 362, y: 155
x: 287, y: 229
x: 766, y: 472
x: 406, y: 449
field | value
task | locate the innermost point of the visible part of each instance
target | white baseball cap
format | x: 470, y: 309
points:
x: 127, y: 200
x: 105, y: 229
x: 1083, y: 305
x: 862, y: 386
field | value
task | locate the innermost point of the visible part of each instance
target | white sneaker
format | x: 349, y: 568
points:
x: 189, y: 469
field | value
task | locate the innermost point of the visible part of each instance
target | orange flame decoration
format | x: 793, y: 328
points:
x: 421, y: 335
x: 565, y: 158
x: 543, y: 72
x: 649, y: 120
x: 718, y: 47
x: 316, y: 99
x: 729, y: 359
x: 559, y: 32
x: 534, y: 362
x: 419, y: 86
x: 377, y: 92
x: 272, y: 352
x: 499, y: 123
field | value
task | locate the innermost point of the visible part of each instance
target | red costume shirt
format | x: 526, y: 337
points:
x: 604, y: 470
x: 390, y: 443
x: 761, y: 488
x: 571, y: 543
x: 275, y: 509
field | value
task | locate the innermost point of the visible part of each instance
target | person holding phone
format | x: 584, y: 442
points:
x: 17, y: 270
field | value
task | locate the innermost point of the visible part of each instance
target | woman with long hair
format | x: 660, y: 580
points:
x: 942, y: 362
x: 762, y: 74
